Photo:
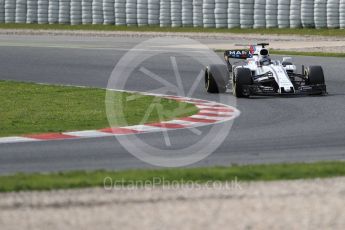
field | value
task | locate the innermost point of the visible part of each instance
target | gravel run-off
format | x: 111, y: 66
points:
x: 300, y: 204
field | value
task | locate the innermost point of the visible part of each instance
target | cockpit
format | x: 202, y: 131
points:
x: 264, y: 57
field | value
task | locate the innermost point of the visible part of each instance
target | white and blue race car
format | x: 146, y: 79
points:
x: 258, y: 74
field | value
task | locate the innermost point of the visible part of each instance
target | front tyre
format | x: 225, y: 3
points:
x: 315, y: 75
x: 242, y: 77
x: 215, y: 78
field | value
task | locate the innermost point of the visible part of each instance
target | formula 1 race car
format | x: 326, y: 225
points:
x: 259, y: 75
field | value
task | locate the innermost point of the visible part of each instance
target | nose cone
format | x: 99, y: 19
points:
x: 286, y: 89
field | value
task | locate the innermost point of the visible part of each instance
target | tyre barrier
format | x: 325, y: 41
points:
x: 2, y: 11
x: 283, y: 16
x: 221, y: 13
x: 86, y: 12
x: 10, y: 11
x: 342, y: 14
x: 197, y: 13
x: 333, y: 14
x: 165, y: 16
x: 53, y: 12
x: 131, y: 12
x: 64, y: 11
x: 177, y: 13
x: 42, y: 11
x: 31, y: 11
x: 76, y: 12
x: 307, y: 13
x: 21, y: 11
x: 142, y: 10
x: 259, y: 14
x: 120, y: 12
x: 153, y: 12
x: 187, y: 13
x: 97, y: 12
x: 320, y: 14
x: 108, y: 12
x: 234, y: 14
x: 295, y: 14
x: 208, y: 9
x: 246, y: 13
x: 271, y: 13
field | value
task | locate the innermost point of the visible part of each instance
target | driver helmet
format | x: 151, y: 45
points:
x: 265, y: 60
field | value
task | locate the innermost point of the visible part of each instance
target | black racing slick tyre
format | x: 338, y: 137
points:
x: 315, y: 75
x: 242, y: 77
x: 216, y: 78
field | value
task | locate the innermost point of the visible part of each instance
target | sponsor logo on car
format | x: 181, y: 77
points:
x: 243, y: 54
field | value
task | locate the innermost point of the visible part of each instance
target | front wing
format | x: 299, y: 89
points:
x: 261, y: 90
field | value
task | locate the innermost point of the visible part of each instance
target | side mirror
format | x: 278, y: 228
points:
x: 287, y: 59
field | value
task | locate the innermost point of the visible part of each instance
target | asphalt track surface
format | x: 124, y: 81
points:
x: 270, y: 129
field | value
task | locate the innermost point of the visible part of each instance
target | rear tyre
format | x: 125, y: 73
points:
x: 242, y: 77
x: 315, y: 75
x: 215, y: 78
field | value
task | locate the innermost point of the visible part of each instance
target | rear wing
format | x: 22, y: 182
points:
x: 238, y: 54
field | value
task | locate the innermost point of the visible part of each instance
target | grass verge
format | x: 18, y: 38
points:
x: 28, y: 108
x: 302, y: 53
x: 71, y: 180
x: 320, y: 32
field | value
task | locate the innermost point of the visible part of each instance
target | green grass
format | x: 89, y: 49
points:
x: 322, y: 32
x: 28, y: 108
x: 302, y: 53
x: 70, y: 180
